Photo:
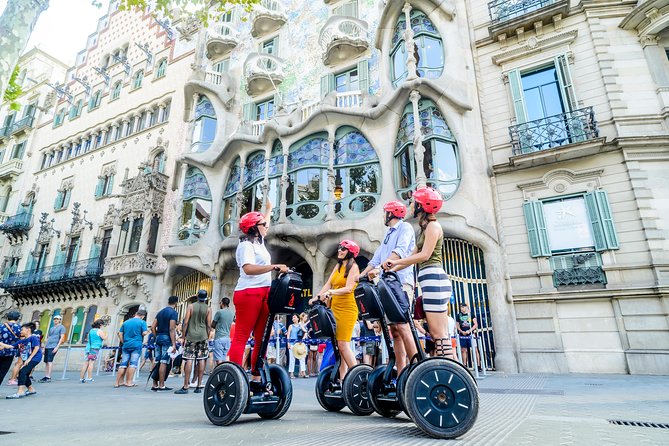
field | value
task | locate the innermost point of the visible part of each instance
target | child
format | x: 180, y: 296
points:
x: 31, y: 354
x: 95, y: 338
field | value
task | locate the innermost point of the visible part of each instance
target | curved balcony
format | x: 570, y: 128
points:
x: 343, y: 38
x: 17, y: 226
x: 268, y: 16
x: 263, y: 72
x: 22, y: 126
x: 221, y: 41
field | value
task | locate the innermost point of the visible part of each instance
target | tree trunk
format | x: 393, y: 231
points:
x: 16, y: 25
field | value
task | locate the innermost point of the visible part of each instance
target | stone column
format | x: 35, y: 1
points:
x: 124, y: 128
x: 94, y: 140
x: 161, y: 111
x: 215, y: 293
x: 138, y: 118
x: 409, y: 44
x: 283, y: 184
x: 103, y: 135
x: 656, y: 59
x: 331, y: 175
x: 418, y: 149
x: 179, y: 204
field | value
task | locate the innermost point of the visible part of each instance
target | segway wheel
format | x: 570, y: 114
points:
x: 442, y: 398
x: 282, y: 388
x: 226, y: 394
x: 401, y: 387
x: 354, y: 390
x: 328, y: 402
x: 384, y: 403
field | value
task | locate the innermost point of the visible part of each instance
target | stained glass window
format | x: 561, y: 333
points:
x: 255, y: 168
x: 313, y: 152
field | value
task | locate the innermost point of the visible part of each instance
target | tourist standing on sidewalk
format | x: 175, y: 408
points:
x: 164, y: 329
x: 31, y: 354
x: 95, y: 338
x: 399, y: 243
x: 295, y: 336
x: 131, y: 334
x: 37, y: 331
x: 467, y: 326
x: 432, y: 278
x: 197, y: 325
x: 10, y: 333
x: 221, y: 324
x: 54, y: 339
x: 252, y: 290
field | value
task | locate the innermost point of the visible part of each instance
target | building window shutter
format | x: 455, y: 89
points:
x: 536, y: 229
x: 565, y: 80
x: 363, y: 76
x: 516, y: 87
x: 595, y: 221
x: 30, y: 263
x: 248, y: 112
x: 110, y: 185
x: 75, y: 253
x: 66, y: 201
x: 59, y: 200
x: 327, y: 84
x: 601, y: 219
x: 98, y: 188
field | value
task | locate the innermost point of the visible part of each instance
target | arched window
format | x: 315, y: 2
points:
x: 116, y: 90
x: 94, y: 101
x: 229, y: 198
x: 440, y: 160
x: 162, y: 67
x: 275, y: 171
x: 204, y: 131
x: 254, y: 173
x: 159, y: 162
x: 429, y: 50
x: 196, y: 211
x: 307, y: 193
x: 357, y: 173
x: 137, y: 80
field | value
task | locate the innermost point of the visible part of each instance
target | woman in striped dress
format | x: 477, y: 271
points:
x: 433, y: 281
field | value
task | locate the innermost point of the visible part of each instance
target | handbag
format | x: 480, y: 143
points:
x: 418, y: 310
x: 285, y: 293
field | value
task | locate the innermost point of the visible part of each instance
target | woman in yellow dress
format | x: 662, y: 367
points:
x: 338, y: 291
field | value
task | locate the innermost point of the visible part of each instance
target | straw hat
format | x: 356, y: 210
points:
x: 300, y: 350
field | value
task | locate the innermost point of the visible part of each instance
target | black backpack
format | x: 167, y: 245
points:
x: 367, y: 299
x: 391, y: 296
x: 286, y: 293
x: 323, y: 321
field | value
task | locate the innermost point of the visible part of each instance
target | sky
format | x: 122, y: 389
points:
x: 73, y: 21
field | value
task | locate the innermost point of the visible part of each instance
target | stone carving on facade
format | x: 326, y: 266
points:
x: 188, y: 27
x: 78, y: 222
x: 46, y: 230
x: 110, y: 218
x: 144, y: 194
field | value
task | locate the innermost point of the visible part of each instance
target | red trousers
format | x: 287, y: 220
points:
x: 251, y: 314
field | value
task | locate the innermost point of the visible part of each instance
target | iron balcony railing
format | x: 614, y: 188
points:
x: 554, y: 131
x: 83, y: 269
x: 503, y: 10
x: 577, y: 269
x: 17, y: 223
x: 23, y: 123
x: 4, y: 131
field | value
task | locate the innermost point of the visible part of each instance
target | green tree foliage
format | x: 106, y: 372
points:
x: 203, y: 10
x: 13, y: 90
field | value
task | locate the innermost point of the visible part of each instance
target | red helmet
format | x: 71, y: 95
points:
x: 396, y: 208
x: 351, y: 246
x: 249, y: 220
x: 429, y: 199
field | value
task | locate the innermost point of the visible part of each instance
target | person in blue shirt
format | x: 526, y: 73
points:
x: 31, y: 353
x: 131, y: 334
x: 10, y: 332
x: 399, y: 242
x: 95, y: 339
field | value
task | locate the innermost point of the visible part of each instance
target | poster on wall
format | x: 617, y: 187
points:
x: 568, y: 224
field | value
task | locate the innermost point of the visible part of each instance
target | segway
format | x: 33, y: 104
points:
x: 438, y: 394
x: 333, y: 393
x: 229, y: 392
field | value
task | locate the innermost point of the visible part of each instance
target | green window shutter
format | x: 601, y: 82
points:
x: 66, y: 203
x: 536, y: 229
x: 327, y: 84
x: 606, y: 218
x: 565, y: 80
x: 516, y: 87
x: 363, y: 76
x: 595, y: 221
x: 248, y: 112
x: 59, y: 200
x: 30, y: 263
x: 110, y: 185
x: 98, y: 188
x: 75, y: 254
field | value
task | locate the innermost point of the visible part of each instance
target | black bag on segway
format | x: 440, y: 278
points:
x: 285, y: 293
x: 393, y: 298
x: 322, y: 321
x: 367, y: 299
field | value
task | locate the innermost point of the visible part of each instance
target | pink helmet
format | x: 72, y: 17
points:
x: 429, y: 199
x: 351, y: 246
x: 249, y: 220
x: 396, y: 208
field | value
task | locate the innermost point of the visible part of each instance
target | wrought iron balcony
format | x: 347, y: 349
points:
x: 508, y: 15
x: 554, y: 131
x: 11, y: 168
x: 74, y: 278
x: 22, y: 125
x: 17, y: 225
x: 578, y: 269
x: 221, y: 41
x: 343, y: 38
x: 4, y: 132
x: 263, y: 72
x: 268, y: 16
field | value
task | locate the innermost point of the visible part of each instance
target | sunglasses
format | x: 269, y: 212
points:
x: 263, y: 224
x: 341, y: 248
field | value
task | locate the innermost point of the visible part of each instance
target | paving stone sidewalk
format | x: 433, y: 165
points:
x: 515, y: 410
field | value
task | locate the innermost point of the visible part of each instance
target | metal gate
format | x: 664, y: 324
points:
x: 188, y: 287
x: 463, y: 262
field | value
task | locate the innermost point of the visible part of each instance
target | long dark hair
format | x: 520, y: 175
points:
x: 424, y: 219
x: 349, y: 263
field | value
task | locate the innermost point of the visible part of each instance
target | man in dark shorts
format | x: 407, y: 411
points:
x: 54, y: 339
x: 197, y: 325
x: 467, y: 326
x: 164, y: 329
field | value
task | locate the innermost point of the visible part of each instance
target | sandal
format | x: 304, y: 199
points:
x: 131, y: 385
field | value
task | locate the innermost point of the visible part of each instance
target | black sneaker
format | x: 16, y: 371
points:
x: 197, y: 390
x: 163, y: 389
x: 181, y: 391
x: 45, y: 380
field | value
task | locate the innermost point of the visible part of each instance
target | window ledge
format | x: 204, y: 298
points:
x: 554, y: 155
x: 59, y: 209
x: 114, y: 99
x: 157, y: 78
